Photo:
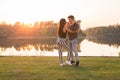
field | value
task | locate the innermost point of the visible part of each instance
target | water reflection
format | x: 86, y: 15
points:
x: 90, y: 48
x: 48, y: 47
x: 29, y: 46
x: 43, y: 43
x: 108, y: 41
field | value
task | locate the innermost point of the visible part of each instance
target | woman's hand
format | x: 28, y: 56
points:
x: 77, y: 30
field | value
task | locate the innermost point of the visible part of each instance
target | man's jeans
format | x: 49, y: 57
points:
x: 73, y: 44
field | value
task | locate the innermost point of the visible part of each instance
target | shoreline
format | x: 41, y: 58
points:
x: 65, y: 56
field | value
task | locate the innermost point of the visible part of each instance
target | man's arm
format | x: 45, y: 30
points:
x: 69, y: 30
x: 75, y: 28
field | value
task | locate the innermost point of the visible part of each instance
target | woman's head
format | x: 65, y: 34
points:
x: 61, y: 26
x: 62, y: 22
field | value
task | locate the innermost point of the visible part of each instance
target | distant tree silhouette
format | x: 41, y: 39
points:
x: 39, y: 29
x: 5, y: 30
x: 112, y: 31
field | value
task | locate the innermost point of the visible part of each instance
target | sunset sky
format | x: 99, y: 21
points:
x: 91, y: 12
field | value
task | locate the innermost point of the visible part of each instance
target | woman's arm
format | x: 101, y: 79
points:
x: 68, y: 29
x: 64, y: 29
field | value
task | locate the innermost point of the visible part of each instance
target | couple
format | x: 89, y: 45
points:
x: 68, y: 30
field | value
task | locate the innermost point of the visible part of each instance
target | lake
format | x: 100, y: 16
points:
x: 47, y: 47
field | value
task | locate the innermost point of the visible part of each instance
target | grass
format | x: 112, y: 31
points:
x: 47, y: 68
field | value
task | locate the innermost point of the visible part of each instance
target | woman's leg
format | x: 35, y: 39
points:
x: 60, y: 52
x: 67, y: 47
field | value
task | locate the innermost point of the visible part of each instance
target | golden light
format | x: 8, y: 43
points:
x: 91, y: 12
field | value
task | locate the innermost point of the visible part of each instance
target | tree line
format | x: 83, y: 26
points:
x: 49, y: 29
x: 38, y: 29
x: 46, y: 28
x: 111, y: 31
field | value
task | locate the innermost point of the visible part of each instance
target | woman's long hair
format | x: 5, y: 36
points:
x: 61, y: 26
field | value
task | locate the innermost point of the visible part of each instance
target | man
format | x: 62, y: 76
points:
x: 73, y: 38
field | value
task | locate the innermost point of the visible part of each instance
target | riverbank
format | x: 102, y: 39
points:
x: 47, y: 68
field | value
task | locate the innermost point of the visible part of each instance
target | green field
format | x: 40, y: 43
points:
x: 47, y: 68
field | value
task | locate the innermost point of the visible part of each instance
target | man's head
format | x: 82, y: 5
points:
x: 71, y: 19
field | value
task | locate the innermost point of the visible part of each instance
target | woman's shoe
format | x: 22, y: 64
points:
x: 62, y: 64
x: 68, y: 62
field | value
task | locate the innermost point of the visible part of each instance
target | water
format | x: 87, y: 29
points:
x: 48, y: 47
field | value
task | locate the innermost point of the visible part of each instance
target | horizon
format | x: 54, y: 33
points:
x: 92, y: 13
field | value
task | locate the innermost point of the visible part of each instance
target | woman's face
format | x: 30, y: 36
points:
x: 67, y: 24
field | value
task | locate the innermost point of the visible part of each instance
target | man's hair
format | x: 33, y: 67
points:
x: 71, y: 16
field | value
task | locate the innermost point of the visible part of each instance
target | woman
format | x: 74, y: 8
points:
x: 62, y: 41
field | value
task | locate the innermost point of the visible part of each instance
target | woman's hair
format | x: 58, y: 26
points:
x: 61, y: 26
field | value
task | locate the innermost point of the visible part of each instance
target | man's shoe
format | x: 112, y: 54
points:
x: 72, y: 62
x: 77, y: 63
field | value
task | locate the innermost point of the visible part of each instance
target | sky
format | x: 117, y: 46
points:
x: 92, y: 13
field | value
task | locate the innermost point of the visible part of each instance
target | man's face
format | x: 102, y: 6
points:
x: 71, y: 20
